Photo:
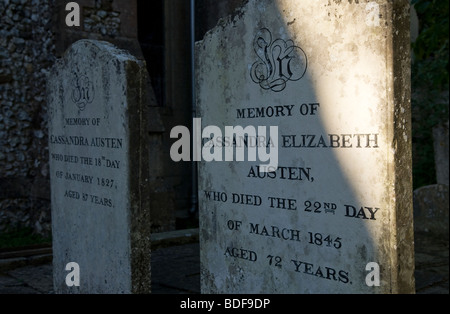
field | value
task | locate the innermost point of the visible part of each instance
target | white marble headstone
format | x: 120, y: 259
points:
x: 99, y: 173
x: 336, y: 214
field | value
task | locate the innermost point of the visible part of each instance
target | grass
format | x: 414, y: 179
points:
x: 21, y: 237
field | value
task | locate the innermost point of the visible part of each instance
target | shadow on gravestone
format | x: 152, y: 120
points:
x: 98, y: 150
x: 340, y: 199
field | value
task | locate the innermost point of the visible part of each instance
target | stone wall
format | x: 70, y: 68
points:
x: 33, y: 35
x: 101, y: 20
x: 27, y: 49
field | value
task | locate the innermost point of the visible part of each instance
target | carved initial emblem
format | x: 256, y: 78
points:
x: 279, y: 61
x: 82, y: 91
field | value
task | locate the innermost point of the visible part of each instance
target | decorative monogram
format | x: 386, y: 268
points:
x: 82, y: 92
x: 279, y: 62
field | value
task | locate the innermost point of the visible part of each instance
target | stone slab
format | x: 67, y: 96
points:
x: 431, y: 209
x: 333, y: 76
x: 98, y: 151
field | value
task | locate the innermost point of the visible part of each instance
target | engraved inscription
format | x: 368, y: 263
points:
x: 97, y: 170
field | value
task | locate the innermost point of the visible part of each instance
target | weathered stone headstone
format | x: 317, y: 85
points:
x: 336, y: 214
x: 440, y: 144
x: 431, y: 211
x: 99, y: 171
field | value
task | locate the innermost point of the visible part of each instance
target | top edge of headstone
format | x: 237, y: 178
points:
x: 106, y: 47
x: 241, y: 10
x: 223, y: 22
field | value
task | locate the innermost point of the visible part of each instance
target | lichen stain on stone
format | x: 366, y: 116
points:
x: 362, y: 251
x: 208, y: 280
x: 235, y: 277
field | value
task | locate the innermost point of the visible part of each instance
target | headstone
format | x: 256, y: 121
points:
x: 335, y: 215
x: 99, y: 171
x: 414, y: 24
x: 431, y: 210
x: 440, y: 144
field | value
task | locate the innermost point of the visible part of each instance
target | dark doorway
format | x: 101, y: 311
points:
x: 151, y: 39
